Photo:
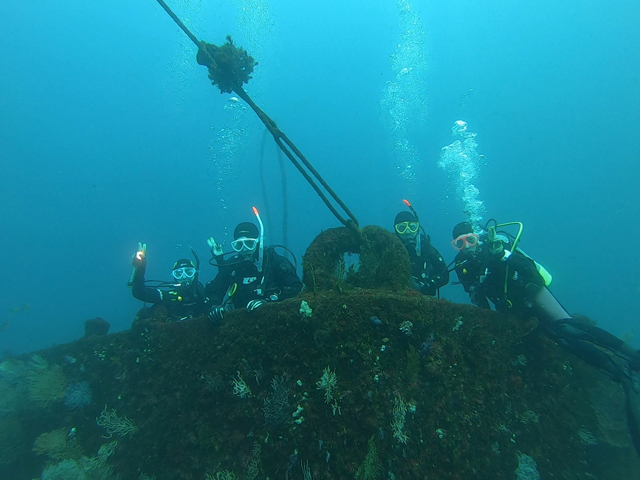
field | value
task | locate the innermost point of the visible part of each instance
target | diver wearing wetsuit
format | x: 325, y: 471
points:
x: 246, y: 280
x: 183, y: 299
x: 428, y: 269
x: 482, y: 268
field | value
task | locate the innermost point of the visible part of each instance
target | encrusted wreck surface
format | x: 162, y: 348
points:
x: 352, y: 391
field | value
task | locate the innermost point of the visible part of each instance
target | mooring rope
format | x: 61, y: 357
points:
x: 283, y: 142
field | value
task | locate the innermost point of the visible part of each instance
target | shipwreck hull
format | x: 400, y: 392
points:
x: 457, y: 393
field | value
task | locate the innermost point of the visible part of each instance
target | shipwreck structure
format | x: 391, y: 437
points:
x: 357, y: 378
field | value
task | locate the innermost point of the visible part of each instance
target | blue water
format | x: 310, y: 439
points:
x: 111, y: 134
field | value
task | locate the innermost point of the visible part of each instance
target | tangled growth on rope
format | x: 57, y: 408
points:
x: 229, y: 66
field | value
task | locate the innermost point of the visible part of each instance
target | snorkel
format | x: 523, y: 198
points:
x: 415, y: 214
x: 408, y: 204
x: 195, y: 256
x: 259, y: 265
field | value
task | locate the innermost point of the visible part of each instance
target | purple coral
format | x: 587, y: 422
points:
x: 427, y: 346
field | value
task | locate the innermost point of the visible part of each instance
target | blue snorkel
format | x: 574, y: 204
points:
x: 259, y: 264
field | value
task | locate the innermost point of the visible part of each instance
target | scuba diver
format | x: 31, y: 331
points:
x: 252, y: 276
x: 428, y: 270
x: 492, y: 268
x: 183, y: 298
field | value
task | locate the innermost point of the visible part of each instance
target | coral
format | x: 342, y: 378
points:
x: 586, y: 437
x: 92, y: 468
x: 106, y: 450
x: 240, y: 387
x: 306, y: 472
x: 397, y: 425
x: 65, y: 470
x: 305, y: 310
x: 253, y: 468
x: 96, y: 468
x: 10, y: 396
x: 47, y: 384
x: 224, y: 475
x: 371, y: 466
x: 78, y: 395
x: 406, y: 327
x: 114, y: 424
x: 328, y: 382
x: 527, y: 468
x: 276, y: 406
x: 57, y: 445
x: 469, y: 405
x: 11, y: 439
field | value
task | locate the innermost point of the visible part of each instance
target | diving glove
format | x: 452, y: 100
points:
x: 140, y: 257
x: 216, y: 314
x: 216, y: 248
x: 139, y: 261
x: 253, y: 304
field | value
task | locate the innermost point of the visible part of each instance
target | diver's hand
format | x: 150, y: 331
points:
x: 216, y: 314
x: 216, y: 248
x: 253, y: 304
x: 140, y: 257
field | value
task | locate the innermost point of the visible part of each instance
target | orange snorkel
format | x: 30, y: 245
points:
x: 408, y: 204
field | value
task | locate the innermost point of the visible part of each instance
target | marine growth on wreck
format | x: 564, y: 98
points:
x: 358, y: 377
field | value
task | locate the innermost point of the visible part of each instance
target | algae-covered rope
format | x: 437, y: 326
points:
x: 179, y: 23
x: 279, y: 137
x: 230, y: 77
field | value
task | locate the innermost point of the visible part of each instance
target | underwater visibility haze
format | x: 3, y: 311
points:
x: 112, y: 134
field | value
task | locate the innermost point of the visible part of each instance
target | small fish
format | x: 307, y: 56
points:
x: 4, y: 326
x: 21, y: 308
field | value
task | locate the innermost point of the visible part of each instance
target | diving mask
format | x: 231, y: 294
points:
x: 403, y: 227
x: 184, y: 273
x: 467, y: 240
x: 244, y: 244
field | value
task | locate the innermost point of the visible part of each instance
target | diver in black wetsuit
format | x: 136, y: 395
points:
x: 428, y: 269
x: 482, y: 265
x: 253, y: 276
x: 183, y: 299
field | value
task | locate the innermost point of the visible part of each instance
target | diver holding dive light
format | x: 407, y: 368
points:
x: 254, y: 275
x: 183, y: 298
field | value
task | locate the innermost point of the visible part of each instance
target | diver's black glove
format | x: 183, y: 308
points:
x: 216, y: 314
x: 253, y: 304
x: 215, y: 247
